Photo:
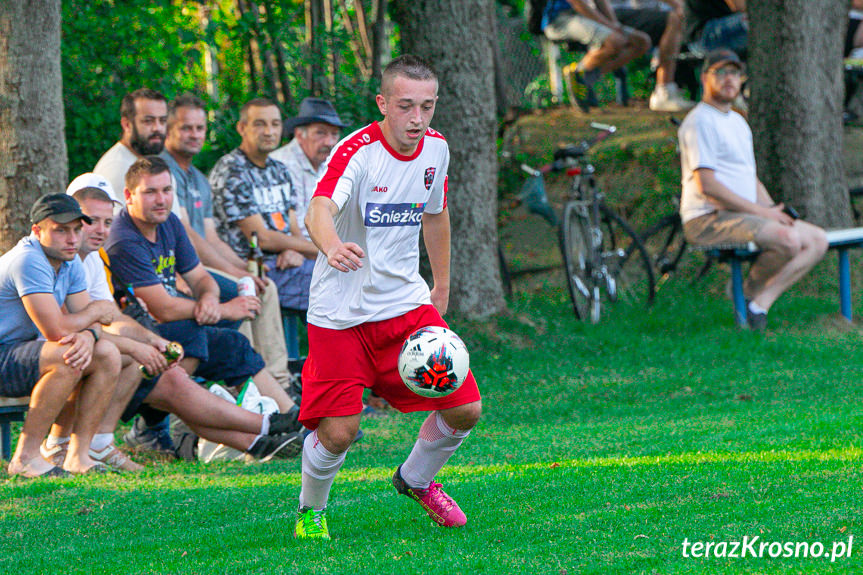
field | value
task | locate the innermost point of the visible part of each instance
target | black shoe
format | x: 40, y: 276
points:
x: 756, y: 321
x: 285, y: 422
x: 282, y: 446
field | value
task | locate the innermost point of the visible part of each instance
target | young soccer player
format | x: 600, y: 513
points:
x: 383, y: 183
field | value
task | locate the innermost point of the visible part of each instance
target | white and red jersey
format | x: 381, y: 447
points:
x: 381, y: 196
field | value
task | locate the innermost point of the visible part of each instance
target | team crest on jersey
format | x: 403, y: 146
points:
x: 429, y: 179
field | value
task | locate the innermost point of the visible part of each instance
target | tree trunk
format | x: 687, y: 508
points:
x: 33, y: 158
x: 450, y: 34
x: 380, y: 52
x: 796, y: 77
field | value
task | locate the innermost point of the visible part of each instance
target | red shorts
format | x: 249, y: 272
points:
x: 344, y: 362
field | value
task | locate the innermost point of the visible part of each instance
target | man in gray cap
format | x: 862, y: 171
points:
x: 723, y: 200
x: 315, y: 130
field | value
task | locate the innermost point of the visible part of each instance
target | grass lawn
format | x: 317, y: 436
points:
x: 602, y: 448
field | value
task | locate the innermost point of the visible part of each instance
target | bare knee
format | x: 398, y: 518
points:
x: 463, y: 417
x: 640, y: 42
x: 338, y: 433
x: 106, y: 357
x: 614, y: 43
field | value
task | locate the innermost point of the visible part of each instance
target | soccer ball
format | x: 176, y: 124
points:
x: 433, y: 362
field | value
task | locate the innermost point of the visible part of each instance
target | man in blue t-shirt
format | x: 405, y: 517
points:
x: 49, y: 354
x: 148, y: 247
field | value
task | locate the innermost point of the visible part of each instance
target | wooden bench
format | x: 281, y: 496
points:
x: 736, y: 254
x: 11, y: 409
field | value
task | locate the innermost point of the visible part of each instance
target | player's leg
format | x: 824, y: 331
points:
x: 334, y: 377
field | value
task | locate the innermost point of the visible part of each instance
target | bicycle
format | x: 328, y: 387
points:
x: 601, y: 252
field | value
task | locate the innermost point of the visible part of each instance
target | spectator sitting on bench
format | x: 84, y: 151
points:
x: 662, y: 21
x: 40, y: 274
x: 170, y: 389
x: 254, y: 193
x: 723, y: 200
x: 148, y: 247
x: 187, y: 130
x: 593, y: 23
x: 714, y: 24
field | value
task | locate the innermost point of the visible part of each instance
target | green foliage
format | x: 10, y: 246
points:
x: 111, y: 48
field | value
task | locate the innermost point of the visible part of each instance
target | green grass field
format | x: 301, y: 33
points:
x: 601, y: 449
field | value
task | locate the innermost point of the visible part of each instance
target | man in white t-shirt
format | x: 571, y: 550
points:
x: 723, y: 200
x: 383, y: 183
x: 144, y: 120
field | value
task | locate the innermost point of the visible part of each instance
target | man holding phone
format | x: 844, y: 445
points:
x: 723, y: 200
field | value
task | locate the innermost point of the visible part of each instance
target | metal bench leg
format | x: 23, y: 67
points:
x: 5, y: 440
x: 844, y: 284
x: 292, y: 338
x: 737, y: 292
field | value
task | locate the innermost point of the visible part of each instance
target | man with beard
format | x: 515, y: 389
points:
x: 143, y: 118
x: 723, y: 200
x: 253, y: 194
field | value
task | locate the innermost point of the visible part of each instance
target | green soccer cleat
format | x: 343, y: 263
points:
x: 311, y: 524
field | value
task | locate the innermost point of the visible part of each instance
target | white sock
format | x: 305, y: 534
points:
x: 101, y: 441
x: 54, y: 440
x: 265, y: 424
x: 755, y: 308
x: 319, y: 471
x: 437, y: 441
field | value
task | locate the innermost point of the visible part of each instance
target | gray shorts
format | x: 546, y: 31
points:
x: 19, y: 367
x: 723, y: 227
x: 576, y: 28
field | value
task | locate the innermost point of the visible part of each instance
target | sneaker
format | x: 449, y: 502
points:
x: 667, y: 98
x: 439, y: 506
x: 115, y: 459
x: 157, y: 438
x: 55, y: 455
x: 285, y: 422
x: 282, y: 446
x: 756, y: 321
x: 311, y: 524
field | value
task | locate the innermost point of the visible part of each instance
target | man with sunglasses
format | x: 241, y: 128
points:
x: 723, y: 200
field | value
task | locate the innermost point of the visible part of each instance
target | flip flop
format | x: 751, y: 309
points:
x: 55, y: 471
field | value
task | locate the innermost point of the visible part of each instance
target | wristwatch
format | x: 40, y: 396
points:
x: 95, y: 334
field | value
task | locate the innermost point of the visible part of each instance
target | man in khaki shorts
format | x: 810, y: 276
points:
x: 724, y: 201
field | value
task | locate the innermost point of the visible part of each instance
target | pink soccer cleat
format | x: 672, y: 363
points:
x: 439, y: 506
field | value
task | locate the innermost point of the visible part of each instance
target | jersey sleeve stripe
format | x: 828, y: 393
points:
x: 342, y: 155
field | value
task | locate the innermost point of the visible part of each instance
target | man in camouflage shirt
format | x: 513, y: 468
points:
x: 253, y: 194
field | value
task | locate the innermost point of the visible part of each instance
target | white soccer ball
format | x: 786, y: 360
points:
x: 433, y: 361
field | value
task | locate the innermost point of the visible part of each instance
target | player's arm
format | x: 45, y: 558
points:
x: 726, y: 199
x: 321, y: 225
x: 436, y: 235
x: 273, y: 241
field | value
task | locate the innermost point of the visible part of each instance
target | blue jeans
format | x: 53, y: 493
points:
x: 730, y: 32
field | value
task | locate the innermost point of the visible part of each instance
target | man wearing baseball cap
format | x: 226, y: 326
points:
x: 723, y: 200
x: 39, y: 275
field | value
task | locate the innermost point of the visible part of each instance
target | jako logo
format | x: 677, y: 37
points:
x: 389, y: 215
x: 380, y: 189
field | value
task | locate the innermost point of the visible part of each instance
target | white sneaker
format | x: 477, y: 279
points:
x: 667, y: 98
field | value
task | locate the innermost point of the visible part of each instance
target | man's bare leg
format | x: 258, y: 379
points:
x: 56, y: 383
x: 96, y: 391
x: 802, y: 245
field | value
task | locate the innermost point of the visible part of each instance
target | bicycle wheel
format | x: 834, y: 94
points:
x: 666, y: 245
x: 626, y: 264
x: 575, y: 248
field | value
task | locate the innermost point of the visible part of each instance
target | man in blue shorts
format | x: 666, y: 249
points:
x: 46, y: 353
x: 367, y: 296
x: 147, y: 247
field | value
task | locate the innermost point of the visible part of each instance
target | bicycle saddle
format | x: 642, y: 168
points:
x: 570, y: 151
